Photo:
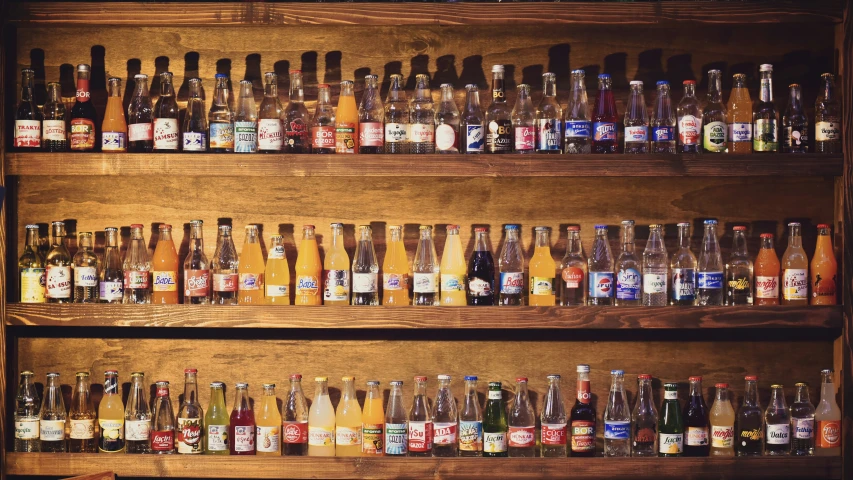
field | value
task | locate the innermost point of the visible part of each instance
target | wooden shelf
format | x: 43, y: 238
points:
x: 66, y: 464
x: 258, y: 165
x: 348, y: 317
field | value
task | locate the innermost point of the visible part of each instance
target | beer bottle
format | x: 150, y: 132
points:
x: 827, y: 117
x: 494, y: 423
x: 498, y: 116
x: 765, y: 118
x: 671, y: 425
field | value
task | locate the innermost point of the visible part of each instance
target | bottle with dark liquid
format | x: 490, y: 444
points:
x: 27, y: 117
x: 54, y: 129
x: 84, y: 119
x: 696, y: 441
x: 481, y: 271
x: 583, y: 417
x: 749, y: 431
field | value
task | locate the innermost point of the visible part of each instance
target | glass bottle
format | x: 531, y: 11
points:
x: 511, y: 268
x: 336, y: 270
x: 523, y: 120
x: 583, y: 417
x: 739, y: 117
x: 766, y: 271
x: 662, y: 122
x: 373, y: 420
x: 722, y: 420
x: 31, y: 273
x: 578, y: 126
x: 250, y: 269
x: 670, y: 425
x: 447, y: 122
x: 164, y: 268
x: 495, y: 423
x: 224, y: 269
x: 323, y: 123
x: 216, y: 422
x: 277, y: 274
x: 655, y: 269
x: 470, y: 421
x: 636, y: 121
x: 749, y: 430
x: 795, y: 269
x: 542, y: 271
x: 422, y: 116
x: 573, y: 271
x: 554, y: 421
x: 140, y: 129
x: 828, y: 418
x: 246, y: 120
x: 294, y: 413
x: 137, y: 269
x: 137, y: 416
x: 802, y: 414
x: 58, y: 275
x: 85, y: 271
x: 683, y: 270
x: 395, y: 270
x: 453, y: 270
x: 629, y: 273
x: 309, y: 272
x: 795, y: 124
x: 365, y: 269
x: 54, y: 131
x: 270, y: 129
x: 696, y: 442
x: 605, y: 121
x: 739, y: 271
x: 444, y: 420
x: 617, y: 419
x: 295, y: 117
x: 241, y: 430
x: 111, y: 415
x: 84, y: 133
x: 163, y: 423
x: 420, y: 422
x: 26, y: 416
x: 644, y: 420
x: 689, y: 120
x: 709, y: 284
x: 425, y: 270
x: 81, y: 417
x: 481, y: 270
x: 396, y: 426
x: 190, y: 421
x: 166, y: 114
x: 346, y: 120
x: 321, y: 422
x: 498, y: 116
x: 114, y: 126
x: 396, y: 117
x: 472, y: 131
x: 194, y: 130
x: 714, y: 128
x: 549, y: 117
x: 52, y: 417
x: 777, y: 421
x: 371, y: 115
x: 219, y: 118
x: 824, y: 270
x: 269, y: 424
x: 600, y: 265
x: 196, y: 268
x: 111, y: 280
x: 348, y: 421
x: 521, y: 421
x: 28, y: 119
x: 765, y: 117
x: 827, y: 117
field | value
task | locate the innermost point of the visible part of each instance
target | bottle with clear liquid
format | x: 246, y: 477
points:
x: 111, y: 416
x: 396, y: 117
x: 472, y: 131
x: 709, y: 271
x: 422, y: 116
x: 196, y: 268
x: 714, y: 117
x: 294, y: 414
x: 420, y: 422
x: 523, y: 121
x: 270, y: 113
x: 739, y: 116
x: 163, y: 423
x: 295, y: 117
x: 137, y: 416
x: 827, y: 117
x: 52, y: 417
x: 445, y: 420
x: 26, y: 415
x: 137, y: 269
x: 765, y: 117
x: 277, y: 274
x: 617, y: 419
x: 396, y: 423
x: 739, y: 271
x: 58, y: 273
x: 348, y: 434
x: 336, y: 270
x: 250, y: 268
x: 644, y: 420
x: 802, y: 422
x: 549, y: 117
x: 629, y: 274
x: 447, y: 122
x: 425, y: 270
x: 194, y: 130
x: 224, y: 269
x: 189, y: 424
x: 453, y: 270
x: 695, y: 416
x: 498, y: 116
x: 365, y: 269
x: 140, y: 129
x: 828, y: 418
x: 777, y: 421
x: 114, y: 126
x: 81, y: 417
x: 655, y: 269
x: 689, y: 120
x: 166, y: 114
x: 662, y: 122
x: 54, y: 130
x: 371, y: 115
x: 31, y: 269
x: 749, y: 430
x: 554, y: 421
x: 28, y: 119
x: 246, y: 120
x: 470, y: 421
x: 722, y: 420
x: 511, y: 269
x: 494, y: 423
x: 795, y: 269
x: 346, y: 120
x: 601, y: 278
x: 521, y: 435
x: 323, y: 123
x: 683, y: 270
x: 111, y: 278
x: 636, y: 121
x: 573, y: 271
x: 578, y: 127
x: 795, y: 124
x: 268, y: 433
x: 481, y: 270
x: 220, y: 118
x: 216, y: 422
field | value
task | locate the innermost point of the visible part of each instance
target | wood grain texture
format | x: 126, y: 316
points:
x: 212, y: 165
x: 95, y: 476
x: 5, y: 96
x: 412, y: 468
x: 846, y: 387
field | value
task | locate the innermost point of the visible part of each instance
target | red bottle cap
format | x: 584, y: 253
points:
x: 420, y: 378
x: 739, y: 228
x: 323, y: 85
x: 754, y: 378
x: 308, y: 226
x: 110, y: 371
x: 164, y: 226
x: 452, y: 227
x: 296, y: 376
x: 644, y: 376
x: 573, y: 228
x: 822, y: 225
x: 136, y: 225
x: 689, y: 82
x: 190, y: 370
x: 722, y: 385
x: 766, y: 235
x: 520, y: 379
x: 695, y: 379
x: 292, y: 71
x: 481, y: 229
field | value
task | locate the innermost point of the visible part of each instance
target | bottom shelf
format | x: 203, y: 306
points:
x: 181, y: 466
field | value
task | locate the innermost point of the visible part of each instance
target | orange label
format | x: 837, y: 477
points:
x: 829, y: 434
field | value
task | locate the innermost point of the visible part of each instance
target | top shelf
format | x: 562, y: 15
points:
x: 418, y: 13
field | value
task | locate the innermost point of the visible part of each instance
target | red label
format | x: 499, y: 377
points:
x: 829, y: 434
x: 136, y: 279
x: 163, y: 441
x: 522, y: 436
x: 323, y: 137
x: 420, y: 436
x: 163, y: 391
x: 190, y: 434
x: 444, y: 433
x: 82, y: 89
x: 140, y: 131
x: 225, y: 282
x: 196, y: 283
x: 647, y: 435
x: 371, y: 134
x: 554, y: 434
x: 524, y: 138
x: 584, y: 395
x: 573, y: 276
x: 294, y: 432
x: 583, y: 436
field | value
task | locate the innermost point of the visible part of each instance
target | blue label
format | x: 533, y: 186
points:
x: 628, y: 284
x: 663, y: 134
x: 474, y: 138
x: 617, y: 430
x: 578, y: 128
x: 470, y: 436
x: 710, y: 280
x: 604, y: 131
x: 683, y: 284
x: 548, y: 134
x: 195, y: 142
x: 601, y: 284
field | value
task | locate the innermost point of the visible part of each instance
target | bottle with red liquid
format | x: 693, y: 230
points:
x: 696, y: 443
x: 583, y: 417
x: 605, y: 123
x: 163, y: 426
x: 242, y: 428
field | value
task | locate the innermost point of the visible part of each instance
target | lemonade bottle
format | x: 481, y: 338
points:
x: 111, y: 416
x: 268, y: 424
x: 347, y: 422
x: 164, y: 269
x: 453, y: 270
x: 337, y: 270
x: 308, y: 269
x: 346, y: 120
x: 216, y: 422
x: 542, y: 270
x: 277, y: 274
x: 321, y: 422
x: 250, y: 290
x: 395, y: 267
x: 373, y: 422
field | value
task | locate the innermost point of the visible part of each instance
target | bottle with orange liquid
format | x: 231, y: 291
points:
x: 373, y: 422
x: 766, y: 273
x: 395, y: 270
x: 114, y: 127
x: 277, y: 274
x: 308, y: 270
x: 542, y: 270
x: 346, y: 120
x: 250, y: 290
x: 824, y: 269
x: 268, y: 424
x: 739, y: 117
x: 164, y: 269
x: 453, y: 270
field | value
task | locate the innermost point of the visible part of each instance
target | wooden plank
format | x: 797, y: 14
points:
x: 846, y: 384
x: 7, y: 97
x: 95, y: 476
x: 443, y: 318
x: 213, y: 165
x: 312, y: 467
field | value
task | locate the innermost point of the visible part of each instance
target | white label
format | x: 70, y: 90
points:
x: 82, y: 429
x: 670, y: 395
x: 194, y: 142
x: 804, y: 428
x: 422, y: 132
x: 452, y: 283
x: 425, y: 283
x: 827, y: 131
x: 52, y: 430
x: 766, y: 287
x: 715, y: 136
x: 347, y: 436
x: 395, y: 132
x: 445, y: 137
x: 166, y: 134
x: 269, y: 439
x: 217, y: 436
x: 637, y: 134
x: 27, y: 429
x: 54, y: 130
x: 740, y: 132
x: 654, y: 283
x: 688, y: 129
x: 244, y: 439
x: 444, y: 433
x: 671, y: 443
x: 85, y: 276
x: 697, y: 436
x: 27, y: 133
x: 137, y: 430
x: 58, y: 282
x: 778, y: 434
x: 113, y: 141
x: 494, y: 442
x: 494, y: 395
x: 277, y: 290
x: 140, y: 131
x: 795, y: 282
x: 337, y: 285
x: 277, y: 252
x: 364, y: 282
x: 270, y: 134
x: 321, y: 436
x: 722, y: 437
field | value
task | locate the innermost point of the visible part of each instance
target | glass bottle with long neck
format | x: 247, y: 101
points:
x: 422, y: 117
x: 270, y: 113
x: 81, y: 416
x: 523, y: 120
x: 28, y: 119
x: 221, y: 128
x: 26, y: 415
x: 137, y: 416
x: 196, y: 268
x: 114, y: 126
x: 628, y: 270
x: 194, y: 131
x: 395, y: 270
x: 163, y: 423
x: 722, y: 421
x: 336, y: 267
x: 636, y: 122
x: 396, y: 117
x: 739, y: 117
x: 511, y: 269
x: 765, y: 117
x: 52, y: 417
x: 140, y: 130
x: 583, y: 417
x: 371, y: 115
x: 683, y: 270
x: 295, y: 116
x: 31, y: 273
x: 662, y: 122
x: 365, y: 269
x: 554, y: 420
x: 348, y: 435
x: 309, y: 270
x: 828, y: 418
x: 323, y: 122
x: 137, y: 269
x: 425, y: 270
x: 472, y: 133
x: 578, y: 127
x: 346, y: 120
x: 824, y: 270
x: 246, y: 120
x: 802, y: 422
x: 795, y: 269
x: 714, y: 128
x: 447, y: 122
x: 749, y: 430
x: 216, y: 422
x: 224, y: 269
x: 605, y: 120
x: 542, y: 270
x: 268, y: 420
x: 58, y: 275
x: 827, y: 117
x: 470, y: 421
x: 521, y: 422
x: 189, y: 424
x: 420, y: 422
x: 164, y: 268
x: 481, y: 271
x: 166, y: 114
x: 321, y: 422
x: 241, y: 431
x: 549, y: 117
x: 498, y: 116
x: 277, y: 274
x: 689, y: 120
x: 111, y: 280
x: 695, y: 416
x: 655, y: 269
x: 777, y: 423
x: 111, y: 416
x: 251, y: 266
x: 600, y: 267
x: 444, y: 420
x: 795, y: 124
x: 294, y: 412
x: 84, y: 133
x: 671, y: 424
x: 644, y: 420
x: 495, y: 424
x: 396, y: 426
x: 85, y: 271
x: 709, y: 284
x: 54, y: 131
x: 739, y: 270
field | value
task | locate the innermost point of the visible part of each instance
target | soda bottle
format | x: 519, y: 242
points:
x: 511, y: 268
x: 522, y: 423
x: 137, y: 416
x: 85, y: 271
x: 628, y: 270
x: 764, y: 115
x: 604, y: 119
x: 422, y: 116
x: 396, y: 117
x: 444, y: 420
x: 294, y: 412
x: 644, y: 420
x: 270, y: 113
x: 323, y: 123
x: 163, y: 432
x: 395, y: 270
x: 27, y: 117
x: 827, y: 117
x: 250, y: 290
x: 671, y: 425
x: 689, y: 120
x: 554, y: 421
x: 578, y: 127
x: 167, y: 135
x: 498, y: 116
x: 470, y: 421
x: 31, y: 269
x: 802, y: 422
x: 636, y: 121
x: 655, y: 269
x: 81, y: 416
x: 722, y: 423
x: 277, y: 274
x: 828, y: 418
x: 523, y: 118
x: 336, y: 270
x: 371, y: 115
x: 140, y: 129
x: 714, y: 117
x: 190, y: 422
x: 111, y: 416
x: 447, y: 122
x: 26, y: 416
x: 601, y: 281
x: 453, y: 270
x: 348, y: 422
x: 739, y: 117
x: 83, y: 116
x: 696, y: 420
x: 710, y: 268
x: 164, y: 268
x: 824, y: 269
x: 583, y: 417
x: 194, y: 129
x: 224, y: 267
x: 321, y: 422
x: 795, y: 269
x: 196, y: 268
x: 662, y: 122
x: 246, y: 120
x: 739, y: 271
x: 425, y: 270
x: 472, y: 122
x: 308, y: 270
x: 767, y: 273
x: 495, y: 423
x: 396, y: 428
x: 420, y: 422
x: 795, y: 124
x: 346, y: 120
x: 549, y: 117
x: 52, y: 417
x: 216, y: 422
x: 268, y: 428
x: 241, y: 428
x: 373, y: 420
x: 58, y: 263
x: 111, y: 278
x: 617, y: 419
x: 573, y: 271
x: 365, y: 269
x: 542, y: 270
x: 481, y: 271
x: 749, y: 433
x: 777, y: 421
x: 137, y: 269
x: 220, y: 117
x: 295, y: 116
x: 54, y: 134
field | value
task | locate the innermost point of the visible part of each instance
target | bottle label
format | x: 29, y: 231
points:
x: 522, y: 436
x: 750, y: 437
x: 601, y: 284
x: 583, y: 436
x: 478, y: 287
x: 445, y: 433
x: 136, y: 279
x: 189, y: 435
x: 113, y: 141
x: 271, y: 135
x: 688, y: 130
x: 28, y: 133
x: 494, y: 395
x: 823, y: 287
x: 654, y: 283
x: 321, y: 436
x: 549, y: 130
x: 395, y: 438
x: 58, y: 282
x: 337, y: 285
x: 663, y: 134
x: 370, y: 134
x: 166, y: 134
x: 54, y: 130
x: 346, y: 140
x: 470, y: 436
x: 245, y: 137
x: 82, y: 134
x: 474, y: 138
x: 307, y: 285
x: 804, y: 428
x: 573, y: 277
x: 542, y: 286
x: 494, y: 442
x: 195, y: 142
x: 445, y: 137
x: 554, y: 433
x: 829, y: 434
x: 373, y: 436
x: 715, y: 137
x: 422, y: 133
x: 222, y: 135
x: 645, y: 435
x: 766, y: 287
x: 244, y: 439
x: 396, y: 132
x: 722, y: 437
x: 268, y: 439
x: 163, y: 440
x: 196, y: 283
x: 111, y: 291
x: 452, y: 283
x: 766, y: 137
x: 251, y: 281
x: 499, y: 136
x: 112, y: 431
x: 27, y: 429
x: 604, y: 131
x: 364, y: 282
x: 710, y: 280
x: 82, y: 429
x: 347, y: 436
x: 32, y: 285
x: 683, y: 283
x: 628, y: 284
x: 425, y: 283
x: 637, y: 134
x: 584, y: 396
x: 739, y: 285
x: 827, y: 131
x: 52, y: 430
x: 697, y: 436
x: 778, y: 434
x: 294, y: 432
x: 276, y: 252
x: 225, y: 282
x: 614, y: 430
x: 795, y: 284
x: 394, y: 281
x: 670, y: 395
x: 796, y: 137
x: 217, y: 438
x: 525, y: 139
x: 296, y: 133
x: 578, y: 129
x: 512, y: 283
x: 420, y: 436
x: 140, y: 131
x: 671, y: 443
x: 323, y: 137
x: 137, y: 430
x: 164, y: 281
x: 277, y: 290
x: 740, y: 132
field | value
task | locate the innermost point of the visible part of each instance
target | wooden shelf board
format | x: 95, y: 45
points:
x: 258, y: 165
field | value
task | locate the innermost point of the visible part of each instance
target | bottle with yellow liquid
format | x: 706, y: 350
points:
x: 268, y: 424
x: 395, y: 270
x: 542, y: 270
x: 336, y: 268
x: 453, y: 270
x: 321, y: 422
x: 308, y: 270
x: 348, y: 422
x: 111, y: 416
x: 373, y: 422
x: 250, y: 290
x: 277, y: 274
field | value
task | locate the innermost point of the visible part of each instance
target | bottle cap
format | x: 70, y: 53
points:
x: 347, y: 378
x: 137, y: 374
x: 293, y: 70
x: 420, y: 378
x: 295, y: 376
x: 471, y: 87
x: 662, y: 82
x: 714, y: 71
x: 453, y: 227
x: 825, y: 370
x: 521, y: 379
x: 776, y: 385
x: 511, y: 226
x: 27, y: 373
x: 323, y: 85
x: 670, y: 386
x: 217, y: 385
x: 396, y: 383
x: 242, y: 385
x: 695, y: 379
x: 766, y: 235
x: 220, y: 75
x: 603, y: 76
x: 165, y: 226
x: 52, y: 374
x: 578, y: 71
x: 710, y: 222
x: 600, y: 227
x: 470, y: 378
x: 801, y: 384
x: 245, y: 82
x: 549, y: 74
x: 497, y: 68
x: 141, y: 76
x: 494, y: 385
x: 443, y: 85
x: 110, y: 372
x: 308, y: 226
x: 425, y: 227
x: 395, y: 227
x: 655, y: 225
x: 636, y: 82
x: 753, y: 378
x: 617, y: 372
x: 573, y: 228
x: 136, y: 225
x: 822, y: 225
x: 739, y: 228
x: 336, y: 224
x: 32, y: 226
x: 644, y: 376
x: 722, y: 385
x: 794, y: 224
x: 541, y: 228
x: 766, y: 67
x: 346, y: 82
x: 162, y: 383
x: 683, y: 224
x: 555, y: 376
x: 444, y: 377
x: 191, y: 370
x: 373, y: 383
x: 481, y: 229
x: 83, y: 67
x: 83, y: 374
x: 111, y: 229
x: 269, y: 385
x: 583, y: 368
x: 321, y: 379
x: 689, y: 82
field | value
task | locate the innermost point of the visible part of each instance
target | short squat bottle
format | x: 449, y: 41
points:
x: 777, y: 421
x: 52, y: 417
x: 26, y: 415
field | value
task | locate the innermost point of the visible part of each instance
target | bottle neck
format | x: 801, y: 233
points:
x: 166, y: 89
x: 111, y: 239
x: 777, y: 397
x: 796, y: 103
x: 323, y: 96
x: 58, y: 235
x: 54, y: 93
x: 655, y: 243
x: 297, y: 93
x: 482, y: 242
x: 447, y: 93
x: 27, y: 87
x: 217, y: 396
x: 645, y: 391
x: 141, y: 87
x: 251, y: 235
x: 750, y: 396
x: 802, y: 395
x: 549, y: 87
x: 574, y: 243
x: 715, y: 88
x: 689, y: 90
x: 767, y: 244
x: 522, y: 99
x: 543, y: 239
x: 739, y: 244
x: 165, y: 235
x: 83, y: 86
x: 295, y: 386
x: 195, y: 90
x: 617, y: 383
x: 396, y: 234
x: 346, y: 89
x: 471, y: 388
x: 196, y: 240
x: 420, y: 389
x: 472, y: 100
x: 766, y: 93
x: 828, y: 90
x: 794, y: 238
x: 190, y: 389
x: 695, y: 388
x: 628, y: 237
x: 241, y: 400
x: 322, y: 388
x: 722, y: 394
x: 115, y: 88
x: 308, y: 234
x: 498, y: 93
x: 520, y: 392
x: 33, y: 238
x: 395, y: 91
x: 85, y: 242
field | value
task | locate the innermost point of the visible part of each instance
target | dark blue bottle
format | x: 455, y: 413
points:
x: 481, y: 271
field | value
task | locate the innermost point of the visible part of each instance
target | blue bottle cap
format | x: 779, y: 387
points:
x: 220, y: 75
x: 710, y: 222
x: 603, y: 76
x: 662, y: 82
x: 511, y: 226
x: 470, y: 377
x: 617, y: 372
x: 601, y: 226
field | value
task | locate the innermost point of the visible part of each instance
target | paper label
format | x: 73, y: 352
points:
x: 162, y: 440
x: 420, y: 436
x: 445, y: 137
x: 470, y: 436
x: 766, y: 137
x: 548, y: 131
x: 804, y: 428
x: 364, y: 282
x: 525, y: 138
x: 422, y: 133
x: 396, y: 132
x: 740, y: 132
x: 189, y: 435
x: 604, y: 131
x: 136, y: 279
x: 52, y: 430
x: 394, y: 281
x: 794, y: 280
x: 245, y: 137
x: 697, y: 436
x: 671, y: 443
x: 512, y: 283
x: 113, y: 141
x: 494, y: 442
x: 583, y: 436
x: 307, y: 285
x: 244, y: 439
x: 58, y: 282
x: 137, y: 430
x: 27, y: 429
x: 140, y: 131
x: 601, y: 284
x: 166, y: 134
x: 195, y: 142
x: 683, y: 283
x: 654, y: 283
x: 268, y: 438
x: 722, y: 437
x: 522, y: 436
x: 827, y: 131
x: 554, y: 433
x: 474, y: 138
x: 710, y: 280
x: 321, y: 436
x: 663, y: 133
x: 542, y: 286
x: 628, y: 284
x: 370, y: 134
x: 225, y: 282
x: 425, y: 283
x: 478, y: 287
x: 766, y: 287
x: 82, y: 429
x: 614, y: 430
x: 111, y: 429
x: 164, y: 281
x: 346, y: 140
x: 670, y: 395
x: 828, y: 434
x: 347, y: 436
x: 54, y: 130
x: 779, y: 434
x: 27, y: 133
x: 688, y: 130
x: 578, y: 129
x: 452, y: 283
x: 444, y: 433
x: 271, y: 134
x: 372, y: 438
x: 111, y: 290
x: 86, y: 276
x: 637, y: 134
x: 32, y: 285
x: 217, y: 438
x: 294, y: 432
x: 277, y: 290
x: 323, y: 137
x: 251, y: 281
x: 715, y: 137
x: 196, y: 283
x: 395, y: 438
x: 82, y: 134
x: 337, y: 285
x: 222, y: 136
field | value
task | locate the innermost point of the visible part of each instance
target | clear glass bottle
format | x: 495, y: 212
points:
x: 447, y: 122
x: 709, y: 271
x: 246, y: 120
x: 425, y: 270
x: 523, y: 120
x: 224, y: 269
x: 828, y: 418
x: 827, y: 117
x: 194, y: 131
x: 420, y: 422
x: 137, y: 268
x: 163, y: 422
x: 28, y: 119
x: 802, y: 414
x: 554, y: 421
x: 371, y: 115
x: 662, y: 122
x: 629, y: 273
x: 444, y: 420
x: 470, y: 421
x: 296, y: 118
x: 655, y: 269
x: 765, y: 117
x: 636, y: 121
x: 219, y: 118
x: 190, y: 421
x: 601, y: 278
x: 644, y: 420
x: 689, y: 120
x: 81, y: 416
x: 714, y: 127
x: 85, y: 270
x: 323, y: 122
x: 521, y: 423
x: 617, y: 419
x: 472, y: 131
x: 137, y: 416
x: 498, y: 116
x: 795, y: 124
x: 140, y: 129
x: 26, y: 415
x: 749, y: 429
x: 511, y: 269
x: 31, y: 273
x: 396, y: 424
x: 365, y: 269
x: 111, y: 280
x: 196, y: 268
x: 54, y: 128
x: 722, y: 421
x: 683, y: 270
x: 166, y: 114
x: 739, y: 271
x: 777, y: 421
x: 396, y: 117
x: 549, y: 117
x: 573, y: 271
x: 58, y: 274
x: 270, y: 113
x: 605, y: 120
x: 422, y: 116
x: 294, y: 414
x: 578, y: 127
x: 52, y: 417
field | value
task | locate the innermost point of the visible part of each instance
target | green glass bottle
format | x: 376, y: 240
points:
x: 671, y: 427
x: 216, y: 422
x: 494, y: 423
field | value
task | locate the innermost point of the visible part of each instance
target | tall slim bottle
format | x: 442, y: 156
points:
x: 765, y: 117
x: 573, y: 271
x: 617, y: 419
x: 662, y: 122
x: 777, y: 422
x: 549, y: 117
x: 422, y: 116
x: 605, y: 122
x: 111, y: 416
x: 453, y: 270
x: 52, y: 417
x: 81, y: 417
x: 767, y: 268
x: 396, y: 422
x: 241, y: 429
x: 802, y: 414
x: 54, y: 130
x: 26, y: 415
x: 749, y: 430
x: 739, y: 271
x: 470, y: 421
x: 554, y: 421
x: 395, y: 270
x: 629, y: 274
x: 523, y: 121
x: 336, y: 269
x: 321, y: 422
x: 511, y: 269
x: 795, y: 124
x: 196, y: 268
x: 220, y: 119
x: 58, y: 274
x: 481, y: 270
x: 137, y: 416
x: 140, y: 129
x: 348, y: 434
x: 309, y: 284
x: 365, y: 269
x: 277, y: 274
x: 250, y: 290
x: 689, y: 120
x: 216, y: 422
x: 31, y: 274
x: 714, y: 128
x: 644, y: 420
x: 521, y: 434
x: 166, y: 114
x: 224, y: 269
x: 827, y: 117
x: 472, y: 131
x: 425, y: 270
x: 371, y: 115
x: 323, y: 122
x: 636, y: 123
x: 795, y: 269
x: 542, y: 270
x: 420, y: 422
x: 111, y: 280
x: 137, y: 269
x: 445, y: 420
x: 294, y: 413
x: 828, y: 418
x: 163, y: 422
x: 709, y: 284
x: 495, y: 424
x: 601, y: 279
x: 84, y: 133
x: 396, y: 117
x: 722, y: 421
x: 696, y: 442
x: 655, y: 269
x: 28, y: 119
x: 246, y: 120
x: 447, y: 122
x: 671, y: 425
x: 373, y: 421
x: 739, y: 117
x: 346, y: 120
x: 577, y: 138
x: 194, y: 132
x: 498, y: 116
x: 295, y: 117
x: 270, y: 113
x: 189, y: 423
x: 114, y: 126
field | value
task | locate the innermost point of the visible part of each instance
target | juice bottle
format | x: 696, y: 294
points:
x: 795, y: 269
x: 722, y: 424
x: 216, y: 422
x: 277, y: 274
x: 269, y: 424
x: 739, y: 117
x: 373, y: 422
x: 824, y: 269
x: 251, y: 269
x: 164, y: 269
x: 395, y: 270
x: 828, y: 419
x: 114, y: 127
x: 347, y: 422
x: 241, y: 431
x: 321, y: 422
x: 346, y: 120
x: 453, y: 270
x: 766, y: 274
x: 308, y: 269
x: 542, y: 270
x: 336, y: 268
x: 111, y: 416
